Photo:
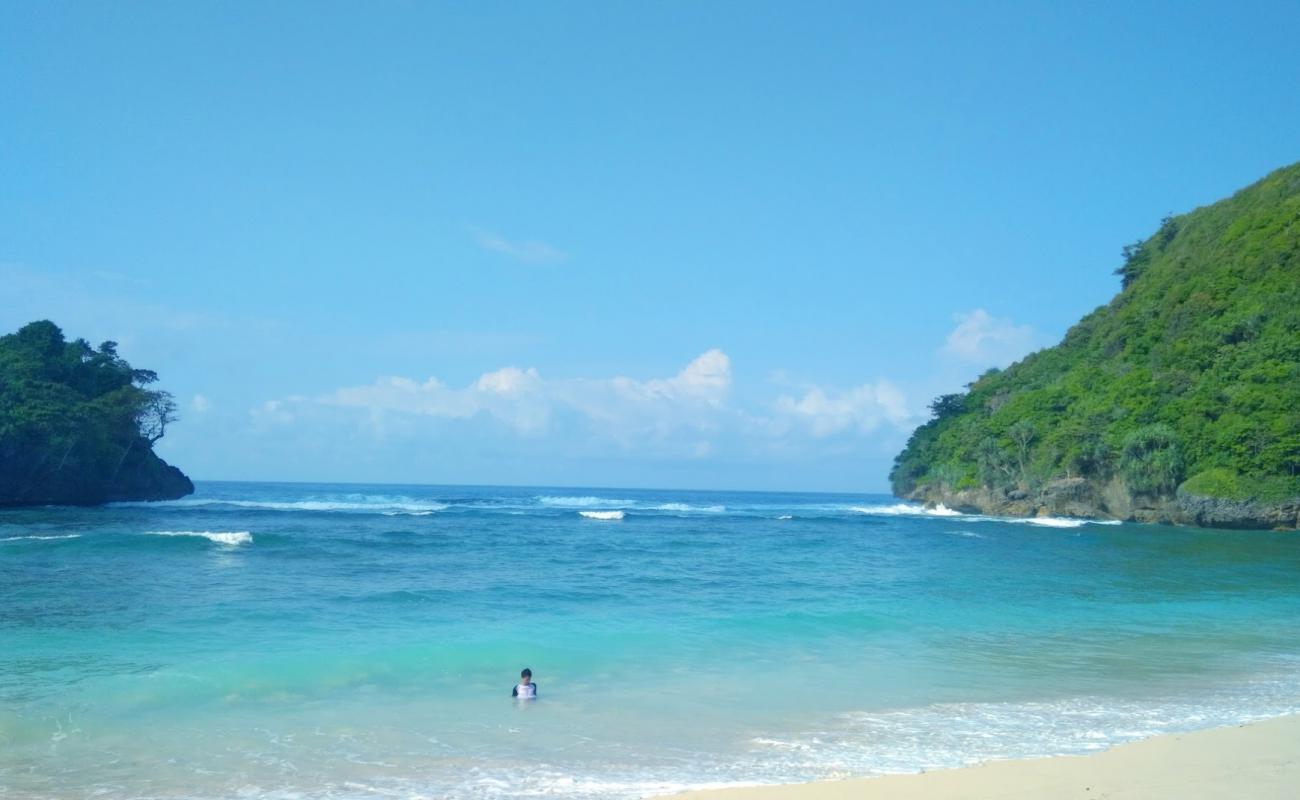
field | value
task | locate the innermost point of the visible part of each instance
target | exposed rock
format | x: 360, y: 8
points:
x: 142, y: 475
x: 1219, y: 512
x: 152, y: 479
x: 1078, y: 497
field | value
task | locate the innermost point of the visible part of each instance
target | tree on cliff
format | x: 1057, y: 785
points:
x: 1188, y: 381
x: 78, y: 423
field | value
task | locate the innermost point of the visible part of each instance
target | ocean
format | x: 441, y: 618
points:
x: 262, y: 640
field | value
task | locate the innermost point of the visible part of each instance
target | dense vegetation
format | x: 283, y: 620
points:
x: 1189, y: 377
x: 77, y: 423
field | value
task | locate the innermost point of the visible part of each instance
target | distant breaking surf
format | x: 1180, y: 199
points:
x: 940, y: 510
x: 601, y: 514
x: 231, y: 538
x: 904, y: 509
x: 579, y: 502
x: 366, y: 505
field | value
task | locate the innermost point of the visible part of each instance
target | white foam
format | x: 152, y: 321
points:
x: 940, y: 510
x: 786, y: 516
x: 1045, y: 522
x: 1050, y: 522
x: 42, y: 538
x: 377, y: 503
x: 231, y: 538
x: 686, y: 508
x: 780, y: 744
x: 906, y: 510
x: 949, y: 735
x: 580, y: 502
x: 543, y: 782
x: 601, y: 514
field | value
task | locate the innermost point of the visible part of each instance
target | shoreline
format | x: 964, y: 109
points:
x: 1256, y: 760
x: 1080, y: 498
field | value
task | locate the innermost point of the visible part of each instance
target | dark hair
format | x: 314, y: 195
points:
x: 527, y: 673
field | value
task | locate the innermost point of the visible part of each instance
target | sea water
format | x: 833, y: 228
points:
x: 348, y: 641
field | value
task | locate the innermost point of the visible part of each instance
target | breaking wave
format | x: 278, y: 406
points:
x: 231, y: 538
x: 940, y: 510
x: 601, y: 514
x: 906, y: 510
x: 579, y: 502
x: 1049, y: 522
x: 687, y: 508
x: 364, y: 504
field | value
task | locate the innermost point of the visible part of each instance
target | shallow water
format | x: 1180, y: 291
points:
x: 351, y: 641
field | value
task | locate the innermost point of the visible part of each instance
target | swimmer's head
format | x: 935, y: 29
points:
x: 526, y: 677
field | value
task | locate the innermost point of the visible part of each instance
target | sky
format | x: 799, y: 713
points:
x: 678, y: 245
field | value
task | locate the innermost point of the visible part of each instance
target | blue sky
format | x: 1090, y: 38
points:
x: 700, y: 245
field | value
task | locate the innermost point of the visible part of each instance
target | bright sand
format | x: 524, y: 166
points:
x: 1259, y: 761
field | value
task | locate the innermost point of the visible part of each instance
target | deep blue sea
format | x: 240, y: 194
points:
x: 262, y: 640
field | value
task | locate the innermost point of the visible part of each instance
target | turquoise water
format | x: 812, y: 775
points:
x: 341, y: 641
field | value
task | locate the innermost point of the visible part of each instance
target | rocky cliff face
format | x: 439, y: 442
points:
x: 78, y: 423
x: 142, y: 475
x: 150, y: 478
x: 1078, y: 497
x: 1218, y: 512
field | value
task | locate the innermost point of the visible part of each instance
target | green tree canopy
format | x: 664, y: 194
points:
x: 1192, y: 372
x: 77, y: 423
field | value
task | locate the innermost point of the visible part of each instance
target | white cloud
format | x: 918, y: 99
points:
x: 699, y: 424
x: 707, y: 379
x: 689, y: 415
x: 863, y: 409
x: 985, y: 340
x: 509, y: 381
x: 526, y: 402
x: 508, y: 394
x: 529, y: 251
x: 274, y: 412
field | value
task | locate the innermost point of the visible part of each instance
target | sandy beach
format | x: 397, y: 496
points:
x: 1259, y: 761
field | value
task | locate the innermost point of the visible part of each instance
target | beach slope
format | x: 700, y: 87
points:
x: 1260, y: 761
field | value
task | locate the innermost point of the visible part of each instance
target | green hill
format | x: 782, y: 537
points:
x: 1177, y: 401
x: 77, y: 425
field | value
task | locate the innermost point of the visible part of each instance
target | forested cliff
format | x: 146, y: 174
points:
x: 1179, y: 400
x: 78, y: 424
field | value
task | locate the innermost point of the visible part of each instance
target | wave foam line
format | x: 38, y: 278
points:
x: 687, y: 508
x: 231, y: 538
x: 940, y: 510
x: 333, y: 505
x: 906, y: 510
x: 41, y: 538
x: 601, y: 514
x: 378, y: 505
x: 579, y: 502
x: 1049, y: 522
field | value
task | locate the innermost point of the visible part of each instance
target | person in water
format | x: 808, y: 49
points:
x: 526, y: 690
